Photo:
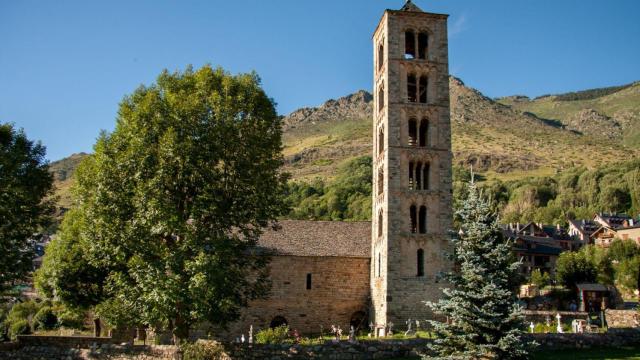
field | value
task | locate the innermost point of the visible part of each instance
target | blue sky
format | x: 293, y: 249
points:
x: 65, y: 65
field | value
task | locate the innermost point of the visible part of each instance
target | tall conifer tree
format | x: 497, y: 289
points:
x: 482, y: 314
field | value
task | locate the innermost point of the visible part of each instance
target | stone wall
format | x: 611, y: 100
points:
x: 63, y: 341
x: 373, y: 349
x: 397, y: 291
x: 389, y: 349
x: 613, y: 338
x: 104, y: 351
x: 339, y: 289
x: 540, y: 316
x: 622, y: 318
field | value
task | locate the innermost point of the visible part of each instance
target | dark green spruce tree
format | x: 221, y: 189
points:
x: 483, y: 320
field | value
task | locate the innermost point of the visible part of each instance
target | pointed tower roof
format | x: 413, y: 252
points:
x: 410, y: 6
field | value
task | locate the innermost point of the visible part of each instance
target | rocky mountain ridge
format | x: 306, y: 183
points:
x: 508, y: 137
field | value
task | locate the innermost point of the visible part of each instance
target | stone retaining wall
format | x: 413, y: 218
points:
x: 388, y: 349
x: 105, y: 351
x: 613, y: 338
x: 375, y: 349
x: 622, y: 318
x: 84, y: 342
x: 540, y: 316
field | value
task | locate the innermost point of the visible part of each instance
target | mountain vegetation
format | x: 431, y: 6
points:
x: 615, y: 109
x: 545, y: 159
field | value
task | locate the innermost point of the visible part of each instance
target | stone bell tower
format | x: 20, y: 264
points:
x: 412, y: 196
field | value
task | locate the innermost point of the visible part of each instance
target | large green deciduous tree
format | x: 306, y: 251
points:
x: 484, y: 320
x: 573, y: 268
x: 173, y: 201
x: 66, y: 273
x: 25, y: 205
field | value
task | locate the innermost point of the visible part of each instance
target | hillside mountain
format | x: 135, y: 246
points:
x: 612, y: 112
x: 62, y: 171
x: 505, y: 138
x: 496, y: 137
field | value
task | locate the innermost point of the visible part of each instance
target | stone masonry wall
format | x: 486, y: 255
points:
x: 622, y: 318
x: 100, y: 352
x: 397, y: 292
x: 339, y: 288
x: 373, y: 349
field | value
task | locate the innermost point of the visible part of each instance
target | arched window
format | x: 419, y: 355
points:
x: 380, y: 54
x: 423, y: 220
x: 379, y: 264
x: 418, y: 176
x: 425, y: 176
x: 411, y: 88
x: 381, y: 98
x: 423, y: 45
x: 413, y: 132
x: 380, y: 223
x: 380, y: 141
x: 422, y: 90
x: 411, y: 180
x: 420, y: 259
x: 380, y: 181
x: 409, y: 45
x: 424, y: 133
x: 414, y: 219
x: 278, y: 321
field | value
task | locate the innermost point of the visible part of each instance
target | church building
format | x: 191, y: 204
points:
x: 327, y: 273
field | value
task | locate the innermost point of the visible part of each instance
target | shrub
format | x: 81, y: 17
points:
x: 539, y: 278
x: 201, y: 350
x: 22, y: 311
x: 45, y: 319
x: 4, y: 331
x: 276, y: 335
x: 19, y: 327
x: 71, y: 319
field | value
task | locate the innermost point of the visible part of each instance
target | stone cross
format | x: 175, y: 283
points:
x: 559, y: 328
x: 409, y: 330
x: 531, y: 326
x: 352, y: 335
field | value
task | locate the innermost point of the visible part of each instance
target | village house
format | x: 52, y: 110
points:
x: 604, y: 236
x: 581, y: 230
x: 614, y: 226
x: 538, y: 246
x: 613, y: 220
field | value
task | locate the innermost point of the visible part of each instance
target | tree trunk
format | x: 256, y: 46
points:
x: 180, y: 330
x: 97, y: 329
x: 638, y: 285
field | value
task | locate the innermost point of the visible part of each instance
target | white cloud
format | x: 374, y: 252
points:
x: 459, y: 25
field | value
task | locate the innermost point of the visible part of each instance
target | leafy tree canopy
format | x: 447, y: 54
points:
x: 574, y: 268
x: 172, y: 203
x: 25, y: 209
